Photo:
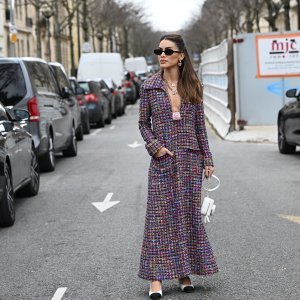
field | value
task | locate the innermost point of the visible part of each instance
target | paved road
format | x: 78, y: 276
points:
x: 61, y: 240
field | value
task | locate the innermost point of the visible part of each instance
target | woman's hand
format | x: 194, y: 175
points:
x: 208, y: 171
x: 162, y: 151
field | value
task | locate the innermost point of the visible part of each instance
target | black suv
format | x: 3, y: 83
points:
x: 28, y: 83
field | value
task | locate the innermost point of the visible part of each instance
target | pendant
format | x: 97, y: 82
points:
x: 176, y: 115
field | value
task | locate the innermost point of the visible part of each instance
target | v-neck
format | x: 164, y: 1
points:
x: 170, y: 100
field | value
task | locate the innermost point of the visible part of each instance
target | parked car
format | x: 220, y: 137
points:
x: 118, y: 94
x: 66, y: 91
x: 108, y: 93
x: 131, y: 93
x: 79, y: 94
x: 19, y: 169
x: 289, y: 124
x: 97, y: 103
x: 28, y: 83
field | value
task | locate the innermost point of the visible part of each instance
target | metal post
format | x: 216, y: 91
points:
x: 49, y: 37
x: 11, y: 26
x: 298, y: 2
x: 78, y: 32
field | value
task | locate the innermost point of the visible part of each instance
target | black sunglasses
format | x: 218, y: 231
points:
x: 167, y: 51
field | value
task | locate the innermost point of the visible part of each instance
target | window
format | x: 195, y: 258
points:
x: 3, y: 114
x: 41, y: 77
x: 61, y: 78
x: 12, y: 84
x: 73, y: 85
x: 85, y: 86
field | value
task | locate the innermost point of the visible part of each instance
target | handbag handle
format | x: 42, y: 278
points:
x: 208, y: 181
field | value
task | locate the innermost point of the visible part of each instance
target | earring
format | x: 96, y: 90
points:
x: 179, y: 63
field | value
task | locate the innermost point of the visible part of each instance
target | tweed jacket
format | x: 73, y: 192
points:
x: 158, y: 129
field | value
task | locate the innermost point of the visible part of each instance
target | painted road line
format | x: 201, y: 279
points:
x: 112, y: 127
x: 135, y: 144
x: 96, y: 131
x: 106, y: 204
x: 291, y: 218
x: 59, y: 293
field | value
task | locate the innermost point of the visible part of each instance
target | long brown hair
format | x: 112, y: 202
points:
x: 189, y: 86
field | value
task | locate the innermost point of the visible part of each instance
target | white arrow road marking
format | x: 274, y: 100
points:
x: 134, y: 145
x: 59, y: 293
x: 292, y: 218
x: 97, y: 131
x: 106, y: 204
x: 112, y: 127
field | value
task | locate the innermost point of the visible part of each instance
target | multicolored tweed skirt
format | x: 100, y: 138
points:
x: 175, y: 243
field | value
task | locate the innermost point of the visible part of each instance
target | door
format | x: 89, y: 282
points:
x: 61, y: 117
x: 64, y: 84
x: 292, y: 122
x: 13, y: 138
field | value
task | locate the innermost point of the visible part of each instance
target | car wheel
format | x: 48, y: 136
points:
x: 79, y: 133
x: 47, y: 161
x: 100, y: 123
x: 283, y: 146
x: 32, y: 188
x: 72, y: 148
x: 7, y: 204
x: 115, y: 113
x: 119, y: 108
x: 109, y: 118
x: 86, y: 127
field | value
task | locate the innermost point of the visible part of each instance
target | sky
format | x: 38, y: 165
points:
x: 169, y: 15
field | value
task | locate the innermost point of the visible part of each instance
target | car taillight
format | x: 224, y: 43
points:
x: 33, y: 109
x: 114, y: 92
x: 91, y: 98
x: 128, y: 84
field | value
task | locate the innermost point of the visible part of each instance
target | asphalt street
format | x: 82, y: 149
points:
x: 63, y: 247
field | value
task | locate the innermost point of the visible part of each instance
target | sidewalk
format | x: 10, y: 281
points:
x: 254, y: 134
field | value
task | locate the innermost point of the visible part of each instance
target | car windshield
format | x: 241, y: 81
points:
x: 12, y: 84
x: 85, y: 86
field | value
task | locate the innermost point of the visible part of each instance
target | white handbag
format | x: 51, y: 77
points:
x: 208, y: 204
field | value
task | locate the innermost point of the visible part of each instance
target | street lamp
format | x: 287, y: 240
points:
x: 48, y: 13
x: 99, y: 36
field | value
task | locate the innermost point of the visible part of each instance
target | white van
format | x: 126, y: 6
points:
x: 103, y: 65
x: 136, y: 64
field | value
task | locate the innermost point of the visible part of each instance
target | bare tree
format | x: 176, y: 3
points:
x: 71, y: 9
x: 287, y: 7
x: 252, y: 10
x: 38, y: 4
x: 273, y: 12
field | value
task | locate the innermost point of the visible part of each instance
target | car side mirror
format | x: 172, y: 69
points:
x: 79, y: 90
x: 111, y: 90
x: 119, y: 87
x: 291, y: 93
x: 105, y: 91
x: 66, y: 93
x: 21, y: 115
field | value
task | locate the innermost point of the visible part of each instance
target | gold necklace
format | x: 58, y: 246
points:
x: 173, y: 87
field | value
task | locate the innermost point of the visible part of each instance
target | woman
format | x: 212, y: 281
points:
x: 175, y: 244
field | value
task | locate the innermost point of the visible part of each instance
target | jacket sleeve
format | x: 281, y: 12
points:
x: 152, y: 144
x: 202, y: 135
